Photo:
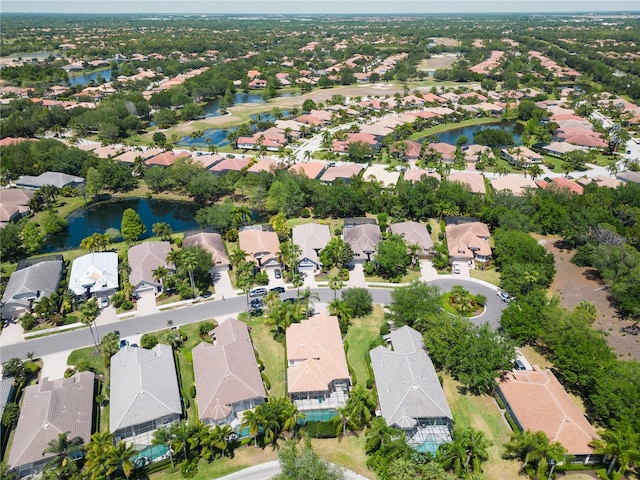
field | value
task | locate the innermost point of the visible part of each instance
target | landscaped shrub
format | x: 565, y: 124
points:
x: 148, y: 341
x: 384, y: 329
x: 117, y: 299
x: 205, y: 327
x: 305, y: 213
x: 28, y: 322
x: 69, y: 372
x: 127, y: 305
x: 265, y: 379
x: 262, y: 278
x: 317, y: 429
x: 192, y: 391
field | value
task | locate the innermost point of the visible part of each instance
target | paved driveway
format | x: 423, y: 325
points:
x: 356, y: 276
x: 223, y: 286
x: 146, y: 304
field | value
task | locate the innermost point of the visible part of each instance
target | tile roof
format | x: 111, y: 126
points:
x: 413, y: 233
x: 540, y: 403
x: 342, y: 172
x: 475, y: 181
x: 16, y: 196
x: 260, y: 246
x: 212, y: 243
x: 144, y: 386
x: 51, y: 408
x: 309, y: 169
x: 363, y: 239
x: 49, y: 178
x: 514, y: 183
x: 465, y: 239
x: 380, y: 174
x: 311, y: 238
x: 166, y: 159
x: 315, y: 354
x: 406, y: 381
x: 562, y: 183
x: 226, y: 372
x: 416, y: 174
x: 231, y: 164
x: 144, y: 258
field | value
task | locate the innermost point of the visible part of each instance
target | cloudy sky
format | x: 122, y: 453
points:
x: 318, y: 6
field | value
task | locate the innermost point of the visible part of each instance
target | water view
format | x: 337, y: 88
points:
x: 101, y: 216
x: 85, y: 78
x: 451, y: 136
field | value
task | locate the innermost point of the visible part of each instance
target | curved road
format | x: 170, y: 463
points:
x: 220, y: 309
x: 265, y: 471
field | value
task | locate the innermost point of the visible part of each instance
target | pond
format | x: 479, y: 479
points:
x: 85, y: 78
x: 212, y: 108
x: 451, y: 136
x: 218, y: 136
x: 103, y: 215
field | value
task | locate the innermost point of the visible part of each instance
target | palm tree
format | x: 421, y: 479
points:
x: 89, y: 311
x: 361, y: 406
x: 238, y: 256
x: 341, y: 309
x: 289, y: 414
x: 476, y: 445
x: 160, y: 273
x: 535, y: 450
x: 63, y: 463
x: 335, y: 284
x: 98, y: 459
x: 307, y: 297
x: 162, y: 230
x: 120, y: 456
x: 546, y: 453
x: 241, y: 215
x: 253, y: 421
x: 401, y: 469
x: 621, y: 444
x: 380, y: 433
x: 452, y: 456
x: 189, y: 262
x: 163, y: 436
x: 535, y: 171
x: 216, y: 439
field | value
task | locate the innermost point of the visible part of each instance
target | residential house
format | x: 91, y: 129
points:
x: 468, y: 242
x: 364, y: 240
x: 409, y: 392
x: 261, y: 247
x: 414, y: 233
x: 560, y: 149
x: 521, y: 156
x: 56, y: 179
x: 14, y: 204
x: 407, y: 149
x: 233, y: 164
x: 311, y: 238
x: 444, y: 151
x: 271, y: 139
x: 562, y: 183
x: 342, y: 146
x: 514, y: 183
x: 318, y: 378
x: 227, y: 377
x: 341, y: 172
x: 144, y: 393
x: 28, y: 284
x: 7, y: 395
x: 417, y: 174
x: 48, y: 409
x: 94, y: 274
x: 474, y: 181
x: 212, y: 243
x: 312, y: 170
x: 380, y: 173
x: 144, y: 258
x: 537, y: 401
x: 166, y: 159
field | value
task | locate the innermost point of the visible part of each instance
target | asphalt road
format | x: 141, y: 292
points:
x: 220, y: 309
x: 268, y: 470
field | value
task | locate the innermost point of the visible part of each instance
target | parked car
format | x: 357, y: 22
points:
x: 278, y: 289
x: 124, y: 343
x: 518, y: 365
x: 277, y: 273
x: 104, y: 302
x: 456, y: 268
x: 258, y: 292
x: 505, y: 297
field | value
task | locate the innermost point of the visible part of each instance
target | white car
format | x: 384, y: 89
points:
x: 456, y: 268
x: 104, y: 302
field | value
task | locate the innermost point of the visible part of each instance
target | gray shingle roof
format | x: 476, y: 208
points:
x: 407, y: 383
x: 51, y: 408
x: 30, y: 283
x: 49, y: 178
x: 144, y: 386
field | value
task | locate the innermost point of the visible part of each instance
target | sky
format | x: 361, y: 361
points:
x: 318, y: 6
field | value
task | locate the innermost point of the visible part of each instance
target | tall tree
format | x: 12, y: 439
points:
x: 89, y: 311
x: 131, y: 226
x: 621, y: 445
x: 63, y: 448
x: 162, y: 230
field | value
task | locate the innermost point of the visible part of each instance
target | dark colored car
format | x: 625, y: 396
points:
x: 278, y: 289
x: 277, y: 273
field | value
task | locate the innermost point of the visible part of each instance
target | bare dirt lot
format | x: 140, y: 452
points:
x: 575, y: 284
x: 437, y: 61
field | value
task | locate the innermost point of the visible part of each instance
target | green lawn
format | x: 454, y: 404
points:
x: 408, y: 278
x: 361, y: 333
x: 271, y: 353
x: 490, y: 275
x: 482, y: 413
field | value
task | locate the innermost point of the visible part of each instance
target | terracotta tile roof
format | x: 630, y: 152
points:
x: 315, y: 354
x: 236, y: 376
x: 260, y: 246
x: 416, y: 174
x: 231, y: 164
x: 264, y: 165
x: 51, y: 408
x: 166, y: 159
x: 562, y: 183
x: 343, y: 172
x: 475, y: 181
x: 465, y: 239
x: 540, y: 403
x: 309, y: 169
x: 514, y: 183
x: 212, y: 243
x: 447, y: 150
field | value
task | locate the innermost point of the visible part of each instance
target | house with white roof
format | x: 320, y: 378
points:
x: 144, y: 394
x: 311, y: 238
x: 409, y: 392
x: 95, y: 274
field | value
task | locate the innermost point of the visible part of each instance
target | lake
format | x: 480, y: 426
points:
x: 85, y: 78
x: 103, y: 215
x: 212, y: 108
x: 451, y: 136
